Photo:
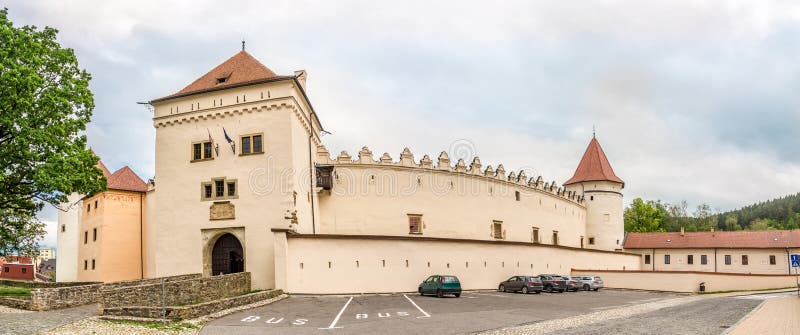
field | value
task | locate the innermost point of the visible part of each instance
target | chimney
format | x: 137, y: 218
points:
x: 301, y: 77
x: 683, y: 231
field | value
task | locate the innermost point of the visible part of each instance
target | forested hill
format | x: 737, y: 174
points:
x: 780, y: 213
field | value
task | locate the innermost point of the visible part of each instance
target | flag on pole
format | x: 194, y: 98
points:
x: 211, y: 139
x: 230, y: 141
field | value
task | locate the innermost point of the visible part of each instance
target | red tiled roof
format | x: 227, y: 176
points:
x: 594, y: 166
x: 240, y: 69
x: 103, y: 167
x: 127, y: 180
x: 719, y: 239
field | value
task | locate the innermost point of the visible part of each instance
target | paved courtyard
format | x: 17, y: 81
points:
x: 35, y: 322
x: 413, y: 314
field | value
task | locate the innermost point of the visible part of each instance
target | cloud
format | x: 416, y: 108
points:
x: 691, y: 100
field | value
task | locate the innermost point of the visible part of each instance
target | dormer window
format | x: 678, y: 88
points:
x: 223, y: 77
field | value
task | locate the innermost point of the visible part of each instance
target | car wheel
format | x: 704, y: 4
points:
x: 596, y: 289
x: 537, y: 292
x: 548, y: 288
x: 560, y: 291
x: 420, y: 291
x: 585, y: 287
x: 524, y: 290
x: 439, y: 294
x: 458, y: 295
x: 502, y: 288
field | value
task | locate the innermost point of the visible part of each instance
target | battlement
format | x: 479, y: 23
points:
x: 444, y: 165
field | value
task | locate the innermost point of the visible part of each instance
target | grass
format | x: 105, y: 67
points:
x: 12, y: 291
x: 761, y: 290
x: 170, y: 326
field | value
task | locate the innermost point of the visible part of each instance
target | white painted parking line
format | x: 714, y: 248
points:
x: 417, y: 306
x: 336, y: 320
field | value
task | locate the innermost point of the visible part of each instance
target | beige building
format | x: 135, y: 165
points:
x: 109, y: 245
x: 751, y: 252
x: 243, y: 182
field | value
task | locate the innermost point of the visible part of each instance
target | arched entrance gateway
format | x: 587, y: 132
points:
x: 227, y: 256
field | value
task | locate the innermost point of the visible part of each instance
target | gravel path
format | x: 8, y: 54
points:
x: 14, y: 323
x: 549, y: 326
x: 704, y: 317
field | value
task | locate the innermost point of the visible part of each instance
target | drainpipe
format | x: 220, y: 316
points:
x: 715, y: 259
x: 141, y: 236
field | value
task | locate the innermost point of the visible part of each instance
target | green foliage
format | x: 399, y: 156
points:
x: 13, y: 291
x: 45, y: 104
x: 643, y: 216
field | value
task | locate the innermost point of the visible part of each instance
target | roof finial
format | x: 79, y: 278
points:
x: 593, y: 130
x: 243, y: 44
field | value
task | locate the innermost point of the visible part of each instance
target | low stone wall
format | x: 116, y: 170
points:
x: 689, y: 281
x: 177, y: 313
x: 48, y: 296
x: 139, y: 282
x: 36, y: 284
x: 18, y: 303
x: 177, y: 293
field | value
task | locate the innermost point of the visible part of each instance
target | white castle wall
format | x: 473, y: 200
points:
x: 375, y: 198
x: 67, y: 240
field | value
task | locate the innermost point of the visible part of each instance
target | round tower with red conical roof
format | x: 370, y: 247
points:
x: 602, y: 191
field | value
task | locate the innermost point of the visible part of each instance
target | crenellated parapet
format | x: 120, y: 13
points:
x: 444, y: 164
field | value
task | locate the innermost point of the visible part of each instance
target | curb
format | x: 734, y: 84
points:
x: 747, y: 316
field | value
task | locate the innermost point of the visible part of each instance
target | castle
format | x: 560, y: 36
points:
x: 243, y: 182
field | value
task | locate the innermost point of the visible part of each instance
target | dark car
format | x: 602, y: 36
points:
x: 524, y: 284
x: 553, y: 283
x: 440, y: 285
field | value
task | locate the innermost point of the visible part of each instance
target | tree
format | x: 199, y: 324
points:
x: 732, y: 223
x: 643, y: 216
x: 45, y: 104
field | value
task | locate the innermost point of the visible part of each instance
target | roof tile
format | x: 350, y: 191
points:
x: 718, y: 239
x: 594, y: 166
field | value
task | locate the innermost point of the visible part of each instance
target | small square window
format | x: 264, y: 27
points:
x: 690, y: 259
x: 257, y: 147
x: 772, y: 260
x: 727, y: 259
x: 220, y: 187
x: 517, y: 195
x: 246, y: 150
x: 63, y: 228
x: 207, y: 150
x: 497, y: 229
x: 666, y: 259
x: 231, y: 189
x: 414, y: 224
x: 95, y: 204
x: 207, y: 191
x: 88, y: 208
x: 24, y: 270
x: 591, y: 241
x: 744, y: 260
x: 703, y: 259
x: 93, y: 264
x: 555, y: 237
x: 646, y: 259
x: 197, y: 151
x: 535, y: 235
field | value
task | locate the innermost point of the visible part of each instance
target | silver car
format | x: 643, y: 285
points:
x: 587, y: 283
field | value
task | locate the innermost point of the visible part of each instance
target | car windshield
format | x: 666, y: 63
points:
x: 450, y: 279
x: 598, y: 278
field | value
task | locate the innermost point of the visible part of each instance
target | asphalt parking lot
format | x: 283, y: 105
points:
x: 411, y: 313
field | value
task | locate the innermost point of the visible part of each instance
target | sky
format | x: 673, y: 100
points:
x: 691, y: 100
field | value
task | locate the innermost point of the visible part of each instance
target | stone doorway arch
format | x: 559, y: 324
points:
x: 224, y: 251
x: 227, y: 256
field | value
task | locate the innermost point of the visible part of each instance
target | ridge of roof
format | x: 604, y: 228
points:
x: 240, y: 69
x: 594, y: 166
x: 126, y: 180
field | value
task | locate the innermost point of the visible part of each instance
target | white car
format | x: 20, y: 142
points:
x: 587, y: 283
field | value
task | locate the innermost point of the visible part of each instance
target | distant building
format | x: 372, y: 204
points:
x: 18, y: 268
x: 46, y: 253
x: 758, y: 252
x: 48, y: 268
